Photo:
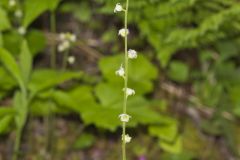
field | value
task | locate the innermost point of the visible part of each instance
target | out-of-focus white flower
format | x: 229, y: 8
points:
x: 68, y: 37
x: 12, y: 3
x: 123, y: 32
x: 73, y: 38
x: 127, y: 138
x: 132, y: 54
x: 22, y: 30
x: 120, y: 72
x: 129, y: 91
x: 18, y: 13
x: 118, y: 8
x: 124, y: 117
x: 71, y: 59
x: 63, y: 46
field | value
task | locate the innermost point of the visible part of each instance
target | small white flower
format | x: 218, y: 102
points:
x: 123, y: 32
x: 132, y: 54
x: 73, y: 38
x: 12, y: 3
x: 71, y: 59
x: 64, y: 46
x: 124, y: 117
x: 118, y: 8
x: 120, y: 72
x: 127, y: 138
x: 22, y: 30
x: 62, y: 36
x: 129, y: 92
x: 18, y: 13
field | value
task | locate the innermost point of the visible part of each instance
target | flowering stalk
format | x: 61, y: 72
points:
x: 123, y: 72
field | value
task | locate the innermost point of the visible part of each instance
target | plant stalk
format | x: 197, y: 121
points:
x: 125, y: 82
x: 53, y: 30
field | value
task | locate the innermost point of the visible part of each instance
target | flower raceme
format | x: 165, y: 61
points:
x: 66, y: 39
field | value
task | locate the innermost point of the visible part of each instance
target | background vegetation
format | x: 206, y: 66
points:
x: 187, y: 80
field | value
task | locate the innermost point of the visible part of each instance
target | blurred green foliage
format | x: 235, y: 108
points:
x: 195, y: 43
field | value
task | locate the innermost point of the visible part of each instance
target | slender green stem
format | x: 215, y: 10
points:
x: 65, y: 60
x: 125, y: 82
x: 53, y: 47
x: 17, y: 143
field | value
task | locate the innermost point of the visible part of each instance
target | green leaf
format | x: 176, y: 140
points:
x: 36, y: 41
x: 25, y: 62
x: 45, y: 78
x: 178, y: 71
x: 84, y: 141
x: 5, y: 123
x: 175, y: 147
x: 20, y: 106
x: 141, y: 72
x: 53, y: 4
x: 5, y: 24
x: 33, y: 8
x: 8, y: 61
x: 167, y: 132
x: 6, y: 111
x: 1, y: 40
x: 10, y: 39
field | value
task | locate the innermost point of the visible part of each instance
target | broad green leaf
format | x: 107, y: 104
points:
x: 6, y: 111
x: 8, y: 61
x: 141, y: 72
x: 33, y: 9
x: 5, y: 24
x: 25, y: 62
x: 44, y: 107
x: 178, y: 71
x: 7, y: 82
x: 166, y: 132
x: 53, y: 4
x: 45, y: 78
x: 84, y: 141
x: 10, y: 39
x: 36, y: 41
x: 5, y: 123
x: 175, y: 147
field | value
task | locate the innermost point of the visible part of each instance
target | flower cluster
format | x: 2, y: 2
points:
x: 66, y: 40
x: 122, y: 71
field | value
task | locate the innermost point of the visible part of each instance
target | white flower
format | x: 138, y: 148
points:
x: 64, y: 46
x: 127, y: 138
x: 68, y: 37
x: 62, y: 36
x: 123, y: 32
x: 71, y: 59
x: 22, y: 30
x: 129, y: 92
x: 120, y: 72
x: 18, y: 13
x: 118, y: 8
x: 12, y: 3
x: 132, y: 54
x: 124, y: 117
x: 73, y: 38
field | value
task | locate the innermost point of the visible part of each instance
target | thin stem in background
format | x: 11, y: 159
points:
x: 53, y: 47
x: 65, y: 60
x: 125, y: 82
